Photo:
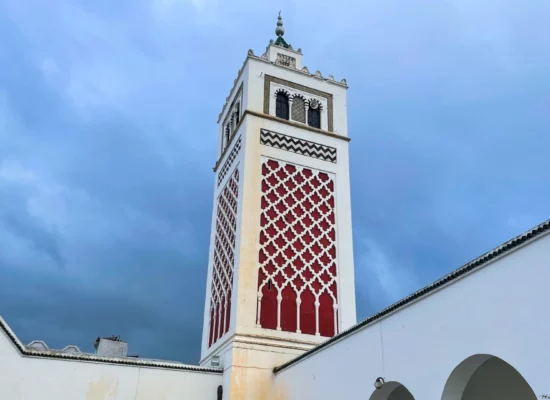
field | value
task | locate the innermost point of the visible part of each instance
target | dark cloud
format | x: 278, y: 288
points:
x: 108, y: 135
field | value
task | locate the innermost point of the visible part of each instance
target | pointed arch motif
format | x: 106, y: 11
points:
x: 314, y: 113
x: 297, y: 272
x: 282, y: 104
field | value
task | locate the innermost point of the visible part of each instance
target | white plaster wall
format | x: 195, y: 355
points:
x: 32, y: 378
x: 500, y: 309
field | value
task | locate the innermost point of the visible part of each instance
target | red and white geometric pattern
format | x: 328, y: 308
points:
x: 224, y: 259
x: 297, y: 277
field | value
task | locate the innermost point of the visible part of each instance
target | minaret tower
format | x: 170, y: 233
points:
x: 280, y: 272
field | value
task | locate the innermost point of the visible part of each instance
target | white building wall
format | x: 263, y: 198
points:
x: 500, y: 309
x: 37, y: 378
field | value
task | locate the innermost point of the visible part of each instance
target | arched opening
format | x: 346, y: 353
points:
x: 484, y: 376
x: 392, y: 391
x: 226, y: 135
x: 314, y: 117
x: 281, y: 105
x: 237, y: 114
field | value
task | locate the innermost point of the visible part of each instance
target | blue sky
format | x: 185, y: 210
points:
x: 108, y: 131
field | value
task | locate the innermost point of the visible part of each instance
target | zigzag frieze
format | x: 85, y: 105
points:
x: 229, y: 161
x: 298, y: 146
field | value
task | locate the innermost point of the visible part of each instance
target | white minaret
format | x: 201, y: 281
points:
x: 280, y: 272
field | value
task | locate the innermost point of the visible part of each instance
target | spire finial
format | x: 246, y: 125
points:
x: 280, y: 31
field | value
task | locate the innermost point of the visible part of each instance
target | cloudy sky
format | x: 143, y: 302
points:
x: 108, y: 129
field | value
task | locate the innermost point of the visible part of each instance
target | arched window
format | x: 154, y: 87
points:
x: 220, y: 392
x: 314, y: 117
x: 226, y: 135
x: 237, y: 114
x: 281, y: 109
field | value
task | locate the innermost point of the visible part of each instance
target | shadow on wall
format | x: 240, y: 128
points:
x: 484, y: 376
x: 481, y: 376
x: 392, y: 391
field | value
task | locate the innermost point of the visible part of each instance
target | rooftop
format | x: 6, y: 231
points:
x: 38, y: 348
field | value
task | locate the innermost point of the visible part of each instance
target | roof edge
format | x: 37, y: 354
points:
x: 504, y: 249
x: 24, y: 351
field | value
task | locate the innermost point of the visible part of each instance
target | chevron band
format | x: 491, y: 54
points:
x: 298, y: 146
x: 229, y: 161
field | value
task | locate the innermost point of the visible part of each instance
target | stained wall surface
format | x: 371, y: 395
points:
x: 33, y: 378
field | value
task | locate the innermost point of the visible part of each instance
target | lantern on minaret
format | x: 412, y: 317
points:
x: 280, y: 272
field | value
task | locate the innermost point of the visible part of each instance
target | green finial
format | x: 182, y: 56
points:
x: 280, y: 31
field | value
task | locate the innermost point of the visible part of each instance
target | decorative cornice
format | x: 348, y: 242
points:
x: 299, y: 125
x: 264, y: 337
x: 476, y: 264
x: 290, y: 49
x: 304, y: 71
x: 132, y: 362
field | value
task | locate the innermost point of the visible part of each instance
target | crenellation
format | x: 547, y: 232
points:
x: 293, y: 66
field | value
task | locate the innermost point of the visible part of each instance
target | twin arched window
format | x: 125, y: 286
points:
x: 282, y: 110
